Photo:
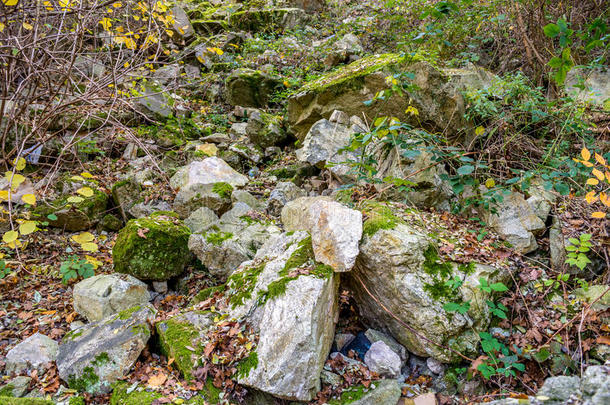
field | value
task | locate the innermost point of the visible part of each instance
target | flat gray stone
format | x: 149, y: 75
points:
x: 34, y: 353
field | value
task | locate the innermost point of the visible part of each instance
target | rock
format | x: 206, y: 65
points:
x: 181, y: 332
x: 235, y: 239
x: 308, y: 5
x: 596, y: 82
x: 594, y: 293
x: 595, y: 383
x: 265, y: 130
x: 322, y: 145
x: 339, y: 117
x: 100, y: 296
x: 34, y: 353
x: 25, y: 187
x: 16, y: 387
x: 216, y: 197
x: 600, y: 352
x: 209, y: 171
x: 245, y: 197
x: 160, y: 286
x: 435, y: 366
x: 344, y: 49
x: 110, y: 222
x: 168, y: 74
x: 330, y: 378
x: 141, y: 210
x: 557, y: 245
x: 202, y: 219
x: 559, y: 389
x: 295, y: 213
x: 248, y: 151
x: 239, y: 129
x: 438, y: 98
x: 516, y: 222
x: 429, y: 189
x: 294, y: 315
x: 283, y: 192
x: 342, y: 339
x: 78, y: 215
x: 152, y: 248
x: 267, y: 19
x: 425, y: 399
x: 336, y: 231
x: 359, y: 345
x: 382, y: 360
x: 95, y: 356
x: 250, y: 88
x: 182, y: 25
x: 126, y: 194
x: 381, y: 392
x: 399, y: 265
x: 541, y: 200
x: 376, y: 336
x: 155, y: 102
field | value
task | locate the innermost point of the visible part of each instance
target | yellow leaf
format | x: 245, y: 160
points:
x: 600, y: 159
x: 1, y: 27
x: 14, y: 244
x: 3, y: 195
x: 10, y: 2
x: 126, y: 64
x: 590, y: 197
x: 598, y: 215
x: 106, y: 24
x: 27, y: 227
x: 29, y: 199
x: 603, y: 197
x: 83, y: 237
x: 19, y: 163
x: 93, y: 261
x: 10, y: 236
x: 479, y: 131
x: 85, y: 191
x: 490, y: 183
x: 412, y: 110
x: 89, y: 247
x: 598, y: 173
x: 77, y: 178
x: 15, y: 180
x: 27, y: 26
x: 586, y: 155
x: 592, y: 182
x: 117, y: 5
x: 75, y: 199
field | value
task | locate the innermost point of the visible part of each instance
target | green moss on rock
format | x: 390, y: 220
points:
x: 379, y: 217
x: 152, y: 248
x: 223, y: 189
x: 246, y: 365
x: 174, y: 338
x: 242, y: 283
x: 86, y: 382
x: 24, y: 401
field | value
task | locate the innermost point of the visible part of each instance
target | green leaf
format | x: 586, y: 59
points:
x: 465, y: 170
x: 498, y: 287
x: 551, y: 30
x: 52, y: 217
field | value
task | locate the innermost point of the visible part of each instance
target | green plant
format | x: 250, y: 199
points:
x: 74, y: 267
x: 577, y: 250
x: 4, y: 271
x: 500, y: 361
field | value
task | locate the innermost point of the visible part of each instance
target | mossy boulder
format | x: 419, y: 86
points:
x: 122, y: 395
x: 437, y: 97
x: 72, y: 210
x: 178, y: 335
x: 267, y: 19
x: 250, y: 88
x: 216, y: 196
x: 152, y: 248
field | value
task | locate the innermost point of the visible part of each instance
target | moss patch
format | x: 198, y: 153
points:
x: 223, y: 189
x: 216, y: 238
x: 246, y: 365
x: 24, y: 401
x: 379, y: 217
x: 161, y: 253
x: 242, y: 284
x: 441, y: 272
x: 206, y: 293
x: 86, y: 382
x: 174, y: 338
x: 347, y: 397
x: 77, y: 401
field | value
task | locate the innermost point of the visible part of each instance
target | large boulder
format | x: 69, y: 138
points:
x: 34, y: 353
x: 216, y: 197
x: 152, y: 248
x: 291, y: 301
x: 268, y: 19
x: 323, y: 145
x: 438, y: 97
x: 399, y: 269
x: 126, y: 194
x: 208, y: 171
x: 250, y: 88
x: 265, y: 130
x: 93, y: 357
x: 80, y: 205
x: 335, y: 229
x: 236, y: 237
x: 100, y: 296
